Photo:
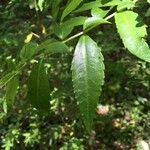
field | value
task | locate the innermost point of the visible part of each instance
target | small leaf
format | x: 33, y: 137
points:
x: 97, y: 12
x: 28, y: 51
x: 64, y: 29
x: 52, y: 46
x: 111, y: 2
x: 88, y: 6
x: 28, y: 38
x: 129, y: 4
x: 70, y: 7
x: 132, y: 33
x: 11, y: 90
x: 40, y: 4
x: 93, y: 22
x: 88, y: 77
x: 38, y: 88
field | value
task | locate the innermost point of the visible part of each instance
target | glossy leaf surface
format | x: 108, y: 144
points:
x: 93, y: 22
x: 88, y: 77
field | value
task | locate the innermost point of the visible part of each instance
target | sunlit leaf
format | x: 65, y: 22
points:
x: 93, y: 22
x: 88, y: 77
x: 132, y: 33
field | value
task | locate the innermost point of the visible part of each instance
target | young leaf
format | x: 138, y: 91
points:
x: 38, y: 88
x: 28, y: 51
x: 11, y: 90
x: 88, y: 77
x: 132, y: 33
x: 93, y: 22
x: 64, y: 29
x: 70, y: 7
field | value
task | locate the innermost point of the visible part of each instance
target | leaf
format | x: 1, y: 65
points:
x: 97, y: 4
x: 52, y: 46
x: 28, y: 51
x: 28, y: 38
x: 55, y: 8
x: 88, y: 6
x: 64, y: 29
x: 11, y: 90
x: 93, y: 22
x: 70, y: 7
x: 88, y: 77
x: 129, y: 4
x: 97, y: 12
x: 38, y: 88
x: 5, y: 79
x: 147, y: 12
x: 132, y: 33
x: 40, y: 4
x: 111, y: 2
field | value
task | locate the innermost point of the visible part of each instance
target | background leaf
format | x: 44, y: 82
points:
x: 11, y: 90
x: 88, y: 77
x: 132, y: 33
x: 28, y: 51
x: 64, y: 29
x: 93, y: 22
x: 38, y: 88
x: 70, y: 7
x: 52, y: 46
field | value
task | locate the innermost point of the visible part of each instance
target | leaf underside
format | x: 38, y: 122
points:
x: 88, y: 77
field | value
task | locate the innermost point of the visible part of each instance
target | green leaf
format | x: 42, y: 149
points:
x: 147, y: 13
x: 5, y: 79
x: 40, y: 4
x: 55, y: 8
x: 97, y: 12
x: 132, y: 33
x: 38, y: 88
x: 88, y: 6
x: 11, y: 90
x: 88, y: 77
x: 126, y: 4
x: 111, y: 2
x: 70, y: 7
x: 64, y: 29
x: 93, y: 22
x: 52, y: 46
x: 28, y: 51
